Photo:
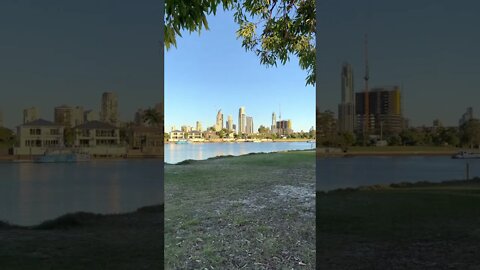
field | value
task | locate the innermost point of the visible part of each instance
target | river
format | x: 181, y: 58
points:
x: 337, y: 172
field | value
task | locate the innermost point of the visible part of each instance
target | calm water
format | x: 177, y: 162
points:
x: 177, y: 152
x: 358, y: 171
x: 31, y: 193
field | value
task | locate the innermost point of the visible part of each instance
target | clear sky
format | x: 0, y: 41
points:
x: 69, y: 52
x: 212, y: 71
x: 431, y: 46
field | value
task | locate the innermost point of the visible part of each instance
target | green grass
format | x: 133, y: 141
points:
x: 231, y: 205
x: 396, y: 222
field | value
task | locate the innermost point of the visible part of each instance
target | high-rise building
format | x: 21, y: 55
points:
x: 109, y: 110
x: 347, y: 83
x: 198, y: 126
x: 284, y: 127
x: 139, y: 117
x: 385, y: 108
x: 249, y: 125
x: 30, y: 114
x: 68, y: 116
x: 90, y: 115
x: 77, y: 116
x: 467, y: 116
x: 230, y: 123
x: 241, y: 120
x: 273, y: 128
x: 346, y: 109
x: 219, y: 121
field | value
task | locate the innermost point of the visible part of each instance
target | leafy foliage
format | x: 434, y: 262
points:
x: 470, y: 133
x: 274, y: 30
x: 152, y: 117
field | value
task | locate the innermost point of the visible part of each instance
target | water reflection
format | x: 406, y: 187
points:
x: 335, y: 173
x: 178, y: 152
x: 31, y: 193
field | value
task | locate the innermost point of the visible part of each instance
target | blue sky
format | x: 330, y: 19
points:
x: 69, y: 52
x: 429, y: 46
x: 212, y: 71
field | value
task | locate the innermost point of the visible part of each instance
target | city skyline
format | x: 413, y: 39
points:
x: 410, y: 44
x: 225, y: 76
x: 225, y: 119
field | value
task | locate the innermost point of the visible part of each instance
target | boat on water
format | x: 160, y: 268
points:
x: 62, y: 156
x: 466, y: 155
x: 182, y: 142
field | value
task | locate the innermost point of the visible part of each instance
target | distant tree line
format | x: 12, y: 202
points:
x: 467, y: 135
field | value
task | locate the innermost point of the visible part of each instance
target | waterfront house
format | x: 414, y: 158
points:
x: 37, y: 136
x: 146, y: 139
x: 176, y: 135
x: 196, y: 136
x: 99, y: 139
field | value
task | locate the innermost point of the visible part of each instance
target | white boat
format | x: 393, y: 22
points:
x: 62, y: 156
x: 182, y: 142
x: 466, y: 155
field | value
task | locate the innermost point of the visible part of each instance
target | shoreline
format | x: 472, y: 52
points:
x: 405, y: 185
x: 190, y: 161
x: 79, y: 219
x: 274, y: 141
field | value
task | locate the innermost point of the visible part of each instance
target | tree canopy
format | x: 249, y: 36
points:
x: 274, y: 30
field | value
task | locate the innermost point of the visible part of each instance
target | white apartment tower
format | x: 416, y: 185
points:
x: 109, y: 111
x: 230, y: 123
x: 241, y: 120
x: 219, y: 121
x: 273, y: 128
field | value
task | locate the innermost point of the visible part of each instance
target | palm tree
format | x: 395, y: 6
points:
x: 152, y: 117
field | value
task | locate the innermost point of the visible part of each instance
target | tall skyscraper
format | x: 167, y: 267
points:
x: 30, y: 114
x: 198, y: 126
x: 219, y: 121
x: 346, y: 109
x: 109, y: 111
x: 249, y: 125
x: 385, y: 108
x: 230, y: 123
x: 347, y: 83
x: 241, y: 120
x: 273, y: 128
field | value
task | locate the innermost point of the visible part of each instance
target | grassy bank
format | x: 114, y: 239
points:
x: 251, y: 212
x: 407, y: 226
x: 391, y: 151
x: 86, y: 241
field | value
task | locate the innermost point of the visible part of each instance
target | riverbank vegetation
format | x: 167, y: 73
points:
x: 7, y: 138
x: 400, y: 226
